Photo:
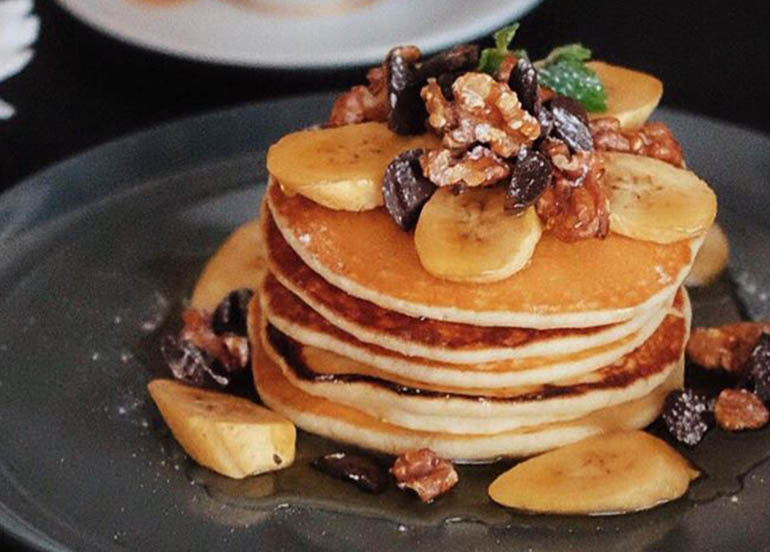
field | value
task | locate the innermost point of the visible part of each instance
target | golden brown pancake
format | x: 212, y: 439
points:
x: 451, y: 342
x: 581, y: 284
x: 440, y: 407
x: 345, y: 424
x: 293, y: 317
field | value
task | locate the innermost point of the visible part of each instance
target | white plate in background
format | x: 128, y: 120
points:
x: 294, y: 33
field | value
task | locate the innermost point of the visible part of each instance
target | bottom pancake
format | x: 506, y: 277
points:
x: 348, y: 425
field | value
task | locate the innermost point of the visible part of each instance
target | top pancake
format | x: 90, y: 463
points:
x: 580, y: 284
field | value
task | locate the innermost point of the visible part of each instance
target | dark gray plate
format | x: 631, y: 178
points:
x: 96, y: 255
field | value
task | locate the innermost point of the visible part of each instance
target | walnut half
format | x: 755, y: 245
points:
x: 425, y: 473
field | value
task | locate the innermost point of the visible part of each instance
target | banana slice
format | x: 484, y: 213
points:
x: 340, y: 168
x: 238, y: 263
x: 653, y: 201
x: 468, y: 237
x: 227, y: 434
x: 711, y: 259
x: 631, y: 95
x: 605, y: 474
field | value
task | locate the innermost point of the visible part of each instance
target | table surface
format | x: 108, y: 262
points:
x: 84, y: 88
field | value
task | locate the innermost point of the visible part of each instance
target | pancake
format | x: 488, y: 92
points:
x: 451, y: 342
x: 566, y: 285
x: 442, y: 408
x: 293, y: 317
x: 348, y: 425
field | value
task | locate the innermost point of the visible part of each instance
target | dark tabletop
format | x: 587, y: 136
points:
x: 84, y: 88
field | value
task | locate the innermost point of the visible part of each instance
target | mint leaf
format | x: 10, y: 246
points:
x: 491, y: 58
x: 570, y: 77
x: 504, y: 36
x: 568, y: 51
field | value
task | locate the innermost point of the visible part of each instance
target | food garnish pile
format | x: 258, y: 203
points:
x: 479, y: 157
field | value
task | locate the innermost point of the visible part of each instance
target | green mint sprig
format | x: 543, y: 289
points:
x: 491, y: 58
x: 564, y: 71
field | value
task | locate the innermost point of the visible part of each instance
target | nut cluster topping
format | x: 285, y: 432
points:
x: 738, y: 409
x: 652, y: 140
x: 231, y: 350
x: 483, y: 111
x: 476, y: 167
x: 425, y: 473
x: 741, y: 349
x: 363, y: 103
x: 727, y: 347
x: 574, y: 207
x: 211, y: 349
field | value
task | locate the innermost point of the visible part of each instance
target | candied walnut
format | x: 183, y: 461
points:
x: 727, y: 347
x: 441, y: 114
x: 483, y: 111
x: 652, y: 140
x: 425, y: 473
x: 738, y: 409
x: 231, y: 350
x: 574, y: 207
x: 477, y: 167
x: 363, y: 103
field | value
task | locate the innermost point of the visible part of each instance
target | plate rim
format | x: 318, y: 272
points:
x: 340, y: 60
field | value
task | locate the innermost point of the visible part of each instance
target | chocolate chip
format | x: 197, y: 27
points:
x: 758, y: 367
x: 530, y: 177
x: 459, y: 59
x: 405, y: 189
x: 570, y: 123
x: 360, y: 470
x: 407, y: 110
x: 523, y: 81
x: 231, y: 313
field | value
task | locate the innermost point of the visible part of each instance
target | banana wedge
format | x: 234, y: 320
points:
x: 227, y: 434
x: 711, y: 259
x: 653, y: 201
x: 238, y: 263
x: 605, y: 474
x: 468, y: 237
x: 340, y: 168
x: 631, y: 95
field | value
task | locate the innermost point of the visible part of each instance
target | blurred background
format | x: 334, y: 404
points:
x: 84, y: 87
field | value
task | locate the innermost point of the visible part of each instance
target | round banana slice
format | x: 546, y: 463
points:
x: 711, y: 259
x: 606, y: 474
x: 653, y: 201
x: 469, y: 237
x: 631, y: 95
x: 340, y: 168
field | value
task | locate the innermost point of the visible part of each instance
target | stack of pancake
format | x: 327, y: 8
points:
x: 355, y: 341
